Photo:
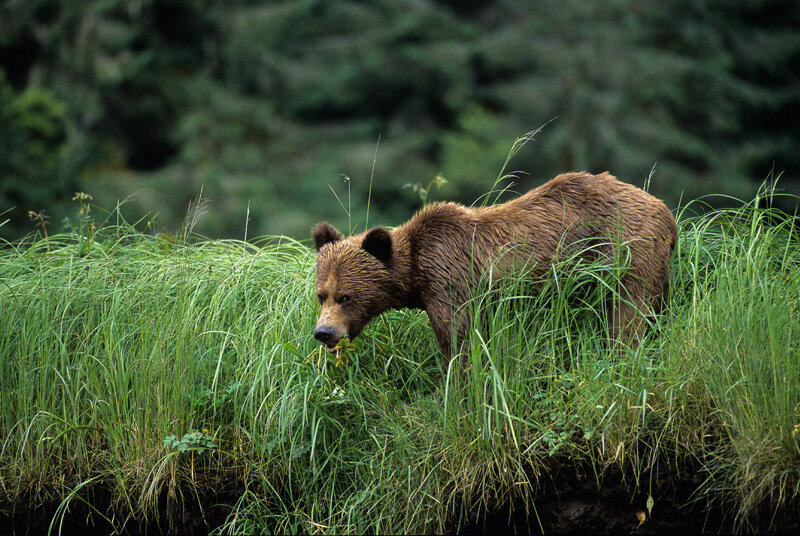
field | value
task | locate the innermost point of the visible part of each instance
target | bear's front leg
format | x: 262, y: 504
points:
x: 440, y: 322
x: 444, y: 321
x: 444, y: 302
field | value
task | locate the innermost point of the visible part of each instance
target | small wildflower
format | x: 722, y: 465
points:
x: 83, y: 198
x: 424, y: 191
x: 796, y: 430
x: 41, y: 216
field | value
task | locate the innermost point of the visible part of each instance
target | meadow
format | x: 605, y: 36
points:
x: 147, y: 375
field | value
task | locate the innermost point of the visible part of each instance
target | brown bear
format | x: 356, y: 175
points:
x: 433, y: 260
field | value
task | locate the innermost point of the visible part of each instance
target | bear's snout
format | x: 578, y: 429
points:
x: 324, y: 334
x: 331, y: 326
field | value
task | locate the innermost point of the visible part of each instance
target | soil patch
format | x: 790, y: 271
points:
x: 572, y: 502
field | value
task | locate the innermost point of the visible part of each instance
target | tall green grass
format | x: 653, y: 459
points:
x: 165, y: 370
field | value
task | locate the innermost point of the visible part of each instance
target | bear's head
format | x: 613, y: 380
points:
x: 354, y: 281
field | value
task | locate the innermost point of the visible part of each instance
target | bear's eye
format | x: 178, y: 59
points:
x: 321, y: 298
x: 344, y: 299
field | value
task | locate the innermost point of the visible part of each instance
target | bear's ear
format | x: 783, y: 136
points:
x: 325, y: 233
x: 378, y: 243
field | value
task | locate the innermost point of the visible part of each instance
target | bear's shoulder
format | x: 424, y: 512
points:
x: 439, y: 215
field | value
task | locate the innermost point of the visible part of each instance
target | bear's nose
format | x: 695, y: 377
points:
x: 323, y: 334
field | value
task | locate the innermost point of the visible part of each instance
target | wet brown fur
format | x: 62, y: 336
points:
x: 432, y: 261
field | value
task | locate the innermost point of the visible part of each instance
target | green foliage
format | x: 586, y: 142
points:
x: 192, y: 441
x: 264, y: 104
x: 34, y: 168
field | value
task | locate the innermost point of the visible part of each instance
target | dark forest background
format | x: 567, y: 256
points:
x: 273, y: 103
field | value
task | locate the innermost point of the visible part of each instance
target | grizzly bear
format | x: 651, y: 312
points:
x: 433, y: 261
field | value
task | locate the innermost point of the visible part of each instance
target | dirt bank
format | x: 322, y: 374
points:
x: 570, y: 501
